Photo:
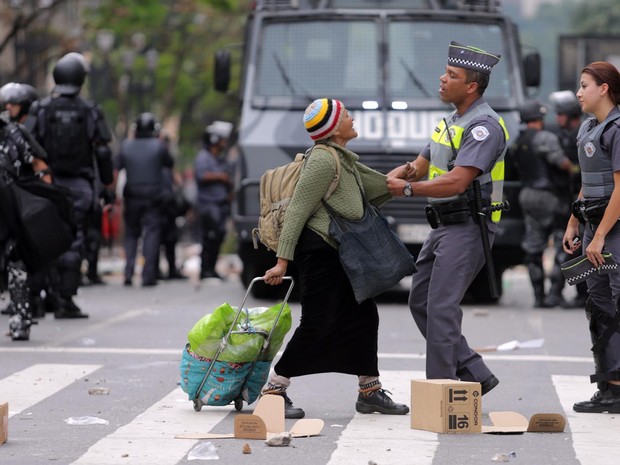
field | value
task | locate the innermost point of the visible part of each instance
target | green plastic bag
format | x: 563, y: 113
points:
x: 256, y: 323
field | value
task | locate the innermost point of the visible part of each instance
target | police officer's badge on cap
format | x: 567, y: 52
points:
x: 473, y: 58
x: 322, y: 118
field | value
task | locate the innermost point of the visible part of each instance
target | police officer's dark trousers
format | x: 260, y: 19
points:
x: 142, y: 218
x: 212, y: 232
x: 450, y: 259
x: 604, y: 291
x: 66, y: 276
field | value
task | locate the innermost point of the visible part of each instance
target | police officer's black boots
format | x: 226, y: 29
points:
x: 607, y: 400
x: 37, y: 306
x: 66, y: 308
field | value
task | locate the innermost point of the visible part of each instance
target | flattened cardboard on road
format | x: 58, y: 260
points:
x: 449, y: 406
x: 266, y: 421
x: 514, y: 423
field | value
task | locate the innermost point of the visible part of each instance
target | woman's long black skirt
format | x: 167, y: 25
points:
x: 335, y: 334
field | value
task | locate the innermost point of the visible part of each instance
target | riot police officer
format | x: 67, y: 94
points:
x: 20, y: 156
x: 568, y: 119
x: 143, y: 159
x: 17, y: 99
x: 213, y: 175
x: 542, y: 168
x: 75, y: 136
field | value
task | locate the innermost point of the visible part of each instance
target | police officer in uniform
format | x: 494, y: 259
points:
x: 75, y: 136
x: 599, y: 158
x: 544, y: 171
x: 568, y: 119
x: 464, y: 147
x: 20, y: 156
x: 143, y: 159
x: 213, y: 175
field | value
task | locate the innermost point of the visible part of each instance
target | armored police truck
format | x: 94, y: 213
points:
x: 383, y: 59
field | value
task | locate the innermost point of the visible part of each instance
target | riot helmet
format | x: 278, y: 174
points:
x: 532, y: 110
x: 18, y: 94
x: 69, y: 74
x: 565, y: 103
x: 216, y: 132
x: 146, y: 125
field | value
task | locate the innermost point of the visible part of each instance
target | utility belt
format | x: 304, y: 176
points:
x: 454, y: 212
x: 590, y: 211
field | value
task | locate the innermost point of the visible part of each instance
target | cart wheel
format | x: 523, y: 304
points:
x: 238, y: 404
x: 198, y: 405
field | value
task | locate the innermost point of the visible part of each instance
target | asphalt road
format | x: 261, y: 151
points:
x: 131, y: 346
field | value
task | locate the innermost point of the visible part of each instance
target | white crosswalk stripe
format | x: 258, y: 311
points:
x: 39, y: 382
x: 595, y: 436
x: 385, y: 439
x: 150, y: 438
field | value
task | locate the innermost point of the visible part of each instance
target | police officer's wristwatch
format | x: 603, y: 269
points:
x: 407, y: 190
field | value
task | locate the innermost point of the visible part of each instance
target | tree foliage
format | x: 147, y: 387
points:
x: 183, y: 35
x: 597, y: 17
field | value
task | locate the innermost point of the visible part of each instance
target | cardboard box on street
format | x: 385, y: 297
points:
x: 4, y: 422
x: 449, y: 406
x: 446, y: 406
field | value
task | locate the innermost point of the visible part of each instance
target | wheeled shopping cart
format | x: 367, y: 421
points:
x: 221, y: 379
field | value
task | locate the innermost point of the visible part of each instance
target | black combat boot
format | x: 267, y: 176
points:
x: 68, y: 309
x: 602, y: 401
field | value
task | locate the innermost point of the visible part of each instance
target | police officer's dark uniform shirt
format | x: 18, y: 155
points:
x: 211, y: 194
x: 143, y: 159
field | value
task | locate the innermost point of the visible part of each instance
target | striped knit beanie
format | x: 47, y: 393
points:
x: 322, y: 118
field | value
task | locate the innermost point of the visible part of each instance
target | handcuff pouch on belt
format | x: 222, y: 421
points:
x: 591, y: 211
x: 454, y: 212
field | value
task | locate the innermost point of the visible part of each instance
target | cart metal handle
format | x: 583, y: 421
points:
x: 225, y: 339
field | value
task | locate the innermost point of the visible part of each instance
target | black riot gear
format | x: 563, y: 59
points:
x: 146, y: 125
x: 565, y: 103
x: 532, y: 110
x: 18, y: 94
x: 69, y: 74
x: 533, y: 168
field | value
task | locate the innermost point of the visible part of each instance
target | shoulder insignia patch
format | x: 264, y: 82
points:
x: 480, y: 133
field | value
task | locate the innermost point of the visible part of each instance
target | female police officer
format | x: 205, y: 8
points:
x: 599, y: 158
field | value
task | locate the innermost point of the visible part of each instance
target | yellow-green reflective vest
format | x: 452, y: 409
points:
x: 442, y: 154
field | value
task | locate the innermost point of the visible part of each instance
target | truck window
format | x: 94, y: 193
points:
x: 414, y: 70
x: 299, y: 61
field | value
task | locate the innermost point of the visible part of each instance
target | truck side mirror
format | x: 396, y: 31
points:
x: 531, y: 66
x: 222, y: 70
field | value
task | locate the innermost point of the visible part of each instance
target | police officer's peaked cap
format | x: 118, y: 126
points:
x: 565, y: 103
x: 69, y: 73
x: 532, y: 110
x: 472, y: 58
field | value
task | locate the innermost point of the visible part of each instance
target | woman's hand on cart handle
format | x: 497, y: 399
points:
x: 273, y: 276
